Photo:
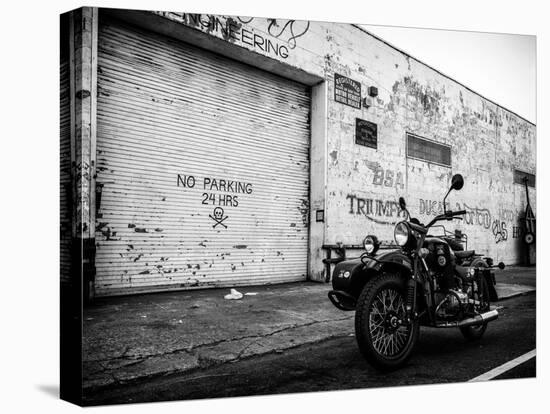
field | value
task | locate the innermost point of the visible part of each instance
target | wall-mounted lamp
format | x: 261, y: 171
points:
x: 367, y: 102
x: 373, y: 91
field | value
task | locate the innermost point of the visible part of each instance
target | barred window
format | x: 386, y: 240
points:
x: 425, y: 150
x: 521, y: 176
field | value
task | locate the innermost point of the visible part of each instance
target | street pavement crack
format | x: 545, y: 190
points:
x: 192, y: 350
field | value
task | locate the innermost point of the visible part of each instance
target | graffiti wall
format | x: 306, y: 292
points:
x: 474, y: 137
x: 375, y: 96
x: 367, y: 99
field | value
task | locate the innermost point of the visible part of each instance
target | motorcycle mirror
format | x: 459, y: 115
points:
x: 402, y: 203
x: 457, y: 182
x: 501, y: 266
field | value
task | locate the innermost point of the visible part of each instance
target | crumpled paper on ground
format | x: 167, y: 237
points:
x: 234, y: 295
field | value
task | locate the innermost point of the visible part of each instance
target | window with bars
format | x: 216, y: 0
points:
x: 425, y: 150
x: 521, y: 176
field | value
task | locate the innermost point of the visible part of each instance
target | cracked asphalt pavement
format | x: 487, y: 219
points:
x: 133, y: 345
x: 144, y: 336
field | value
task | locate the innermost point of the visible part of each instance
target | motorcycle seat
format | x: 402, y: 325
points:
x: 464, y: 254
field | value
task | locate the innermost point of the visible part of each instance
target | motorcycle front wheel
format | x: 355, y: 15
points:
x: 385, y: 339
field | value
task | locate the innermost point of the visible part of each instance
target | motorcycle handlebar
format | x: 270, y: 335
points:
x: 446, y: 216
x: 419, y: 228
x: 459, y: 213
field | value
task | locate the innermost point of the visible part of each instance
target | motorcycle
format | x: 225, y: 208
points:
x: 422, y: 280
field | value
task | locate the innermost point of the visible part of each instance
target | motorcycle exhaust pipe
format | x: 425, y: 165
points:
x: 476, y: 320
x: 481, y: 318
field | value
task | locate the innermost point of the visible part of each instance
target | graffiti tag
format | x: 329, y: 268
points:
x: 375, y: 209
x: 295, y: 33
x: 474, y: 216
x: 386, y: 177
x: 499, y: 231
x: 431, y: 207
x: 517, y: 232
x: 281, y: 37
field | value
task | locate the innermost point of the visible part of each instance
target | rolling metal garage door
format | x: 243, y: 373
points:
x: 65, y: 170
x: 204, y: 168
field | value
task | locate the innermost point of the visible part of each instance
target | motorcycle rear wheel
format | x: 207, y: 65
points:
x: 384, y: 339
x: 475, y: 332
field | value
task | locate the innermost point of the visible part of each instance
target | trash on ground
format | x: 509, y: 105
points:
x: 251, y: 293
x: 234, y: 295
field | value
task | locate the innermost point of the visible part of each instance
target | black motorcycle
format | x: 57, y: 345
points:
x: 422, y: 280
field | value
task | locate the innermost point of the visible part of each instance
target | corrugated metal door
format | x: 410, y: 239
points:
x: 65, y: 170
x: 204, y: 167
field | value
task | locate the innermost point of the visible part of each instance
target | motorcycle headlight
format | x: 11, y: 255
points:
x: 403, y: 235
x: 371, y: 244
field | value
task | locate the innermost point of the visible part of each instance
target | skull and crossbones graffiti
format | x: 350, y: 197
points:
x: 218, y: 217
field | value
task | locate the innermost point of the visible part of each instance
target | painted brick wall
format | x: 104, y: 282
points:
x: 363, y: 184
x: 487, y: 144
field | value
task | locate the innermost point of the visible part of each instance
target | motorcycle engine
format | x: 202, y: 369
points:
x: 449, y: 298
x: 440, y: 262
x: 450, y: 304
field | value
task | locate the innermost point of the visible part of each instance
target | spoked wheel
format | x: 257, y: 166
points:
x: 481, y: 298
x: 384, y: 336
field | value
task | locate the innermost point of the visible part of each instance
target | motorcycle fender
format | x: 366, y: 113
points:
x: 345, y: 273
x: 391, y: 261
x: 351, y: 275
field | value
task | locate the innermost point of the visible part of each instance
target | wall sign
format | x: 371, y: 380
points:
x: 218, y: 193
x: 366, y: 133
x: 320, y: 216
x: 269, y: 36
x: 347, y: 91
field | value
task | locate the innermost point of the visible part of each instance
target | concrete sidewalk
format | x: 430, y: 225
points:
x: 137, y: 337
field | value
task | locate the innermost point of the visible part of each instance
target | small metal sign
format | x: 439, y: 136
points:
x: 347, y: 91
x: 320, y: 216
x: 366, y: 133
